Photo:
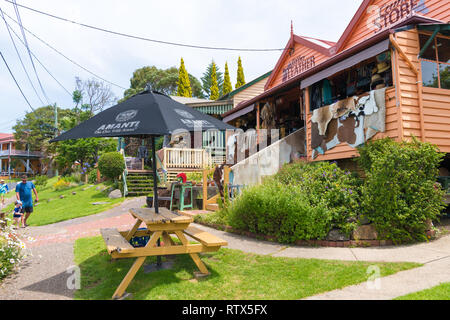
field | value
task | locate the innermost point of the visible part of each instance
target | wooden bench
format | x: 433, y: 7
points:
x: 205, y: 238
x: 115, y: 241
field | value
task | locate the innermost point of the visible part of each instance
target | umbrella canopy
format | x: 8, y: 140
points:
x: 148, y: 113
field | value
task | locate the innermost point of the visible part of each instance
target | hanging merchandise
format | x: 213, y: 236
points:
x: 316, y: 96
x: 343, y: 107
x: 376, y: 122
x: 327, y: 97
x: 364, y: 75
x: 322, y: 117
x: 353, y: 121
x: 351, y: 83
x: 268, y: 116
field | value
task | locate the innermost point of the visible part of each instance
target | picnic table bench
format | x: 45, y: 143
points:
x: 162, y: 225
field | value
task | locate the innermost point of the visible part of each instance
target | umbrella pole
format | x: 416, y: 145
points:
x: 155, y: 191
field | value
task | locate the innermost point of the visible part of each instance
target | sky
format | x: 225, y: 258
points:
x: 213, y: 23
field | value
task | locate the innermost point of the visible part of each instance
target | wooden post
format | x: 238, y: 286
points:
x: 205, y: 187
x: 307, y: 103
x: 257, y: 122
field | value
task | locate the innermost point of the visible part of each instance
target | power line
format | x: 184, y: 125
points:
x: 63, y: 55
x: 29, y: 52
x: 42, y: 65
x: 143, y: 38
x: 17, y: 84
x: 20, y: 58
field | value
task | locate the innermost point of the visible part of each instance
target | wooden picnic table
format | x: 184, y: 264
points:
x: 162, y: 225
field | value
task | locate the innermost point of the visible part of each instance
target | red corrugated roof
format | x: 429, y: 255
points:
x: 6, y: 137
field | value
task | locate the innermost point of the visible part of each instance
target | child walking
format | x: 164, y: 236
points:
x: 18, y: 215
x: 3, y: 190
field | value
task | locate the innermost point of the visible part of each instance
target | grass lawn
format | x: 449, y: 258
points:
x: 71, y: 206
x: 440, y: 292
x: 234, y: 275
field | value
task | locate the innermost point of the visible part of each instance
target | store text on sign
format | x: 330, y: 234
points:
x: 393, y: 12
x: 297, y: 66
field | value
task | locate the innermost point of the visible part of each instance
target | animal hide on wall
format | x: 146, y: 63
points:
x: 353, y: 121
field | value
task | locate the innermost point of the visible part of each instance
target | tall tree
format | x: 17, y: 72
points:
x: 38, y: 127
x: 164, y: 81
x: 227, y: 87
x: 214, y: 90
x: 184, y: 84
x: 94, y: 93
x: 240, y: 75
x: 207, y: 82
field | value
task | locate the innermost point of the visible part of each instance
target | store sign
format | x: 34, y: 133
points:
x: 393, y: 12
x: 298, y: 66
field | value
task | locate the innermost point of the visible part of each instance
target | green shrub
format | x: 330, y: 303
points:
x: 303, y: 201
x: 400, y: 193
x: 92, y: 176
x: 326, y: 185
x: 194, y: 176
x: 40, y: 181
x: 280, y: 210
x: 111, y: 165
x: 61, y: 184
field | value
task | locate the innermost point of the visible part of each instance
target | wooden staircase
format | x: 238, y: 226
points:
x: 139, y: 183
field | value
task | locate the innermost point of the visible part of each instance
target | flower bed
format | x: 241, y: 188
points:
x: 11, y: 251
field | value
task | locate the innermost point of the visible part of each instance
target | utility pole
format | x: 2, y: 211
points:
x: 56, y: 134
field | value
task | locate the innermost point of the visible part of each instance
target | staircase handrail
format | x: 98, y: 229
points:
x: 124, y: 175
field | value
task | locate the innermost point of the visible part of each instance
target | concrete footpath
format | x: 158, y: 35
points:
x: 45, y: 273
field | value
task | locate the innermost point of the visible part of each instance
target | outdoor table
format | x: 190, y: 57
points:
x: 161, y: 225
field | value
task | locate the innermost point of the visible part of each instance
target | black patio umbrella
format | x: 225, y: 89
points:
x: 147, y: 114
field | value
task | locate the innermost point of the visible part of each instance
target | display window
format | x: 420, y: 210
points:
x: 435, y: 61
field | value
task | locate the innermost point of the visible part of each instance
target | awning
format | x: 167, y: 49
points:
x: 239, y: 113
x: 214, y: 109
x: 347, y: 63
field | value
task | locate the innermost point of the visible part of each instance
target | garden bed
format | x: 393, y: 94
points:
x: 305, y: 243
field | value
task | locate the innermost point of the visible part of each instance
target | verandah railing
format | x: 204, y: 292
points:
x: 195, y: 159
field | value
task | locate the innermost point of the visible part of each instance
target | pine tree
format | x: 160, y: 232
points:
x: 214, y: 86
x: 206, y: 79
x: 240, y: 75
x: 184, y: 84
x: 227, y: 87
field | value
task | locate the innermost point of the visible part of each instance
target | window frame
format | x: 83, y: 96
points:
x: 436, y: 61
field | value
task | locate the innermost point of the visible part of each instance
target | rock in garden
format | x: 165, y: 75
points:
x: 74, y: 193
x: 337, y: 235
x: 100, y: 188
x: 115, y: 194
x: 363, y: 220
x: 365, y: 233
x: 62, y: 196
x: 98, y: 203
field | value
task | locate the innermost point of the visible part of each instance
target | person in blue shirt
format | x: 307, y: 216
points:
x: 18, y: 215
x: 3, y: 190
x: 23, y: 193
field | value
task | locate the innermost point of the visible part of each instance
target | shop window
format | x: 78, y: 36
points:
x: 429, y: 74
x: 372, y: 74
x: 435, y: 62
x: 444, y: 75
